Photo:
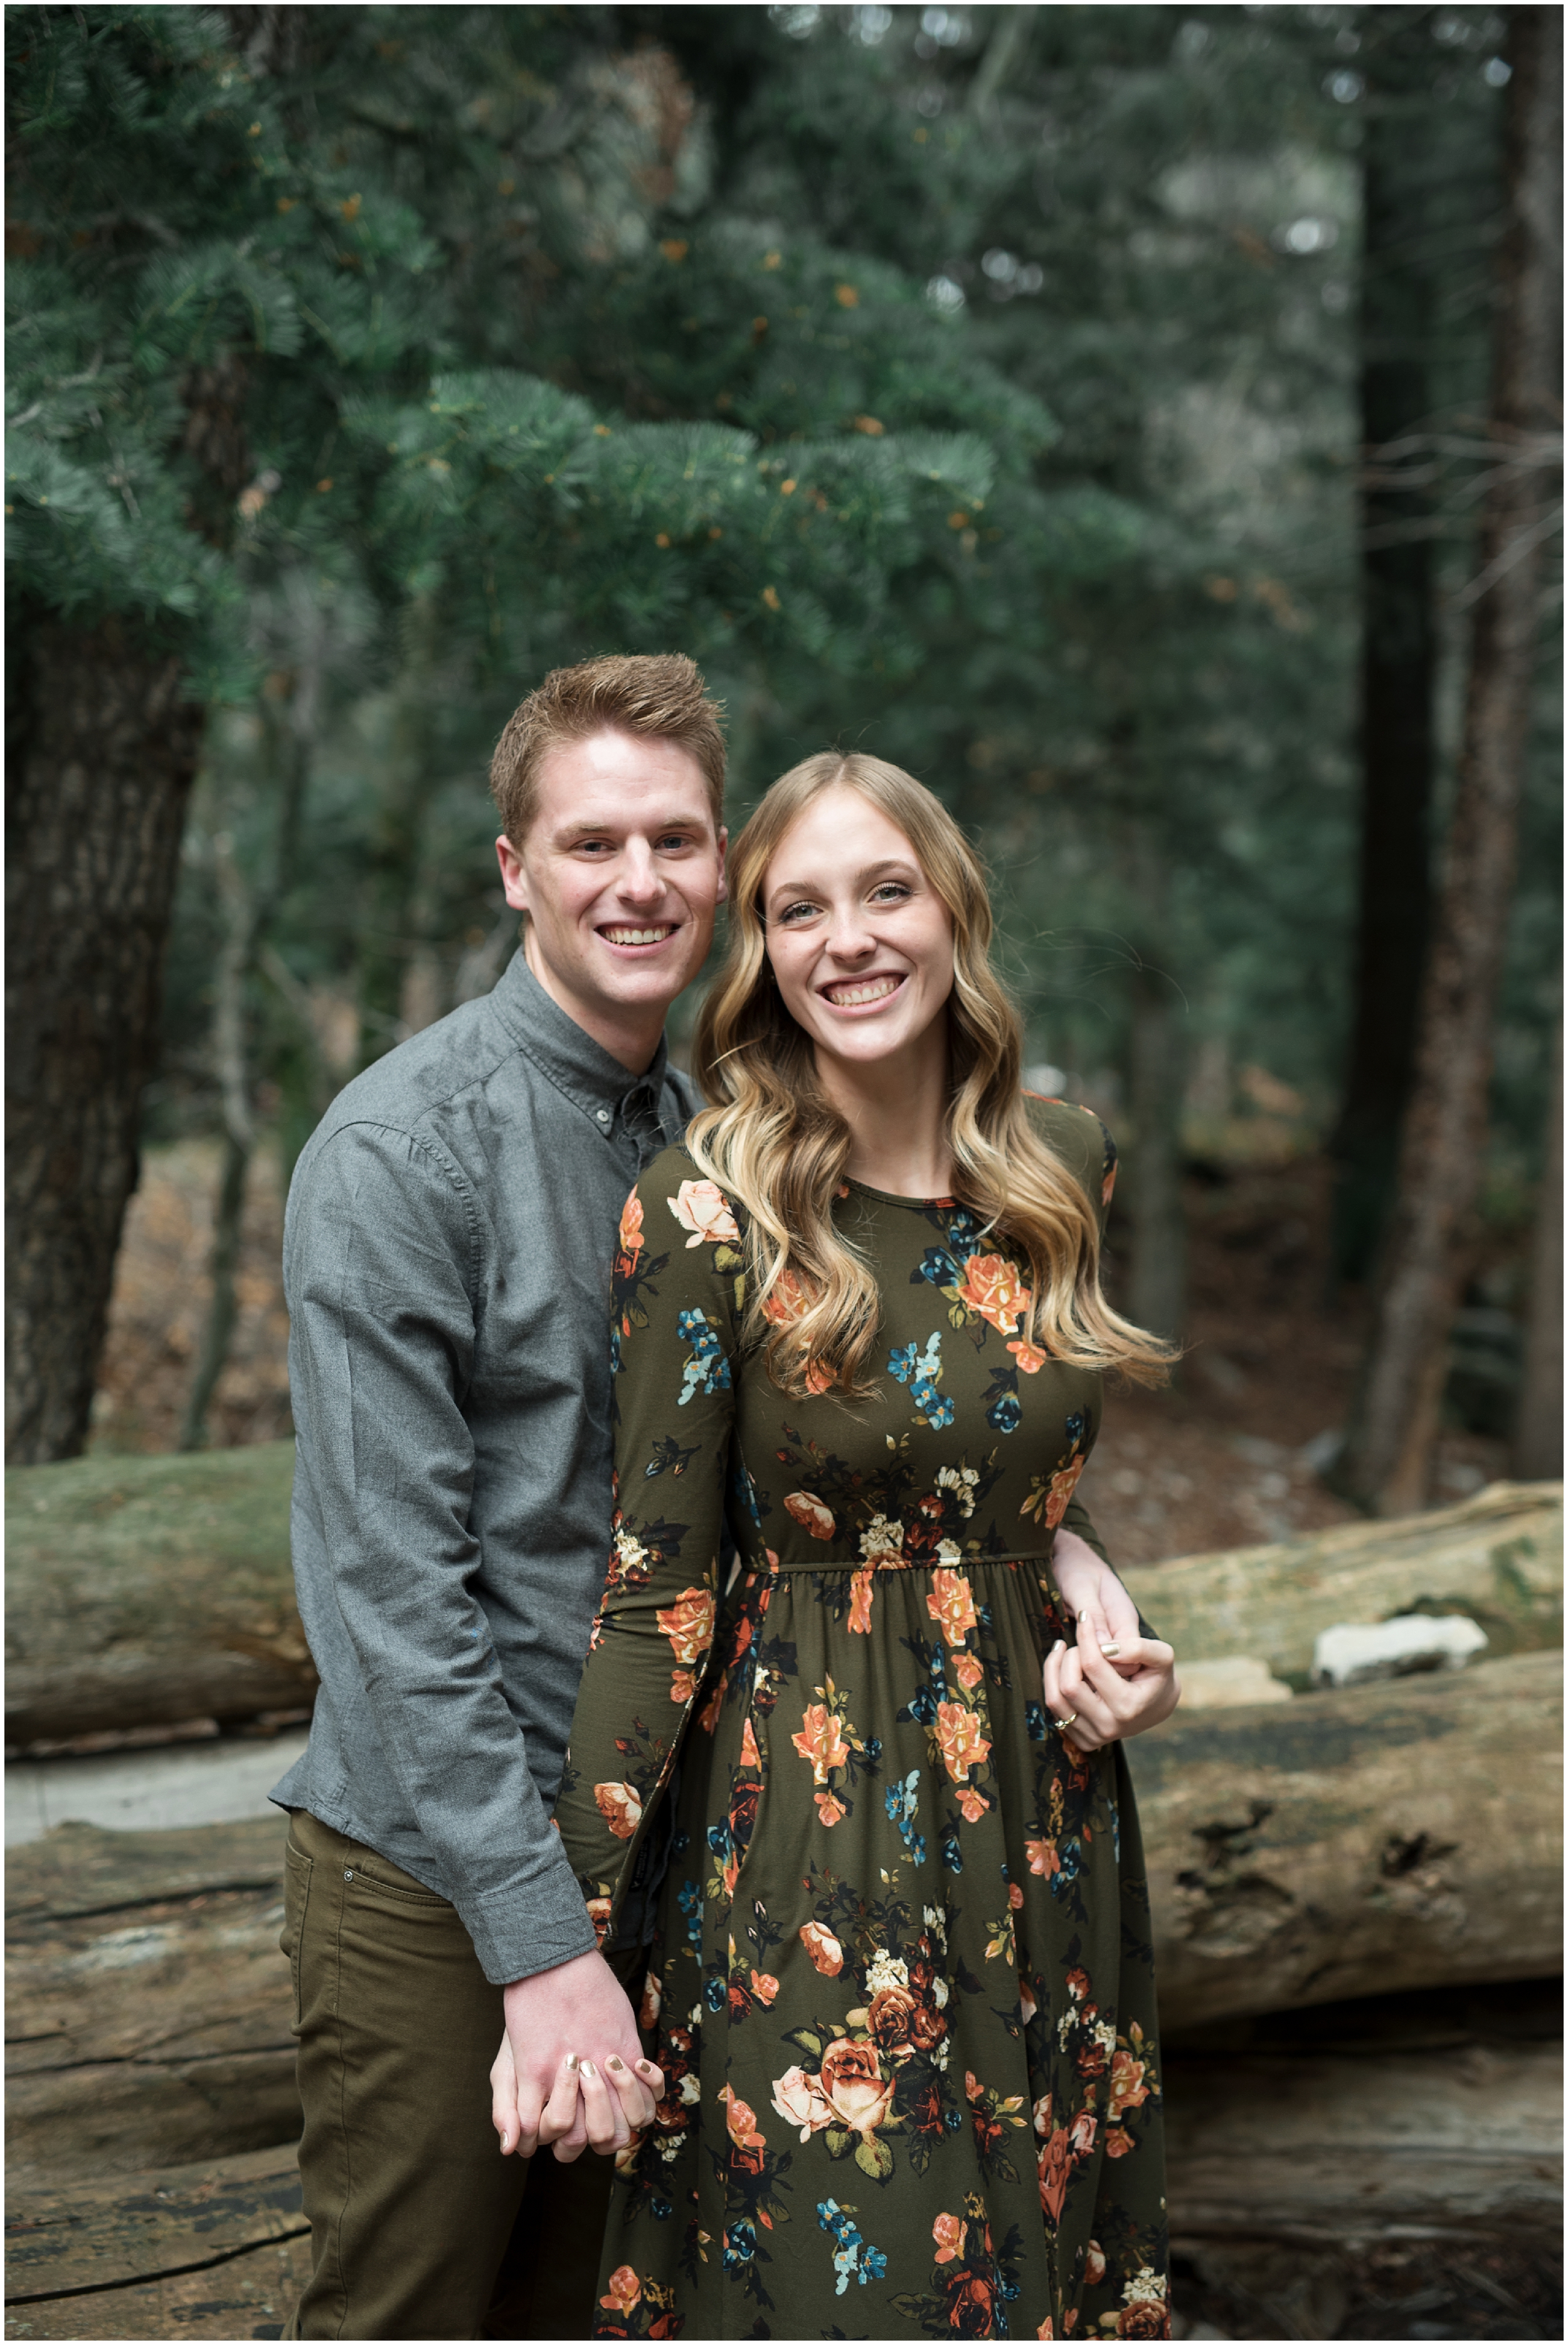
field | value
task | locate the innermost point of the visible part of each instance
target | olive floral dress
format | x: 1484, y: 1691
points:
x: 900, y: 1985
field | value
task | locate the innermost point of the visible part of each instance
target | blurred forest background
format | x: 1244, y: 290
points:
x: 1095, y: 409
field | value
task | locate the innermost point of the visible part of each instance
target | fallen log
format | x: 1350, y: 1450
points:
x: 148, y: 2004
x: 1355, y: 1843
x: 1342, y: 2149
x: 146, y: 1590
x: 214, y: 2248
x: 1498, y: 1558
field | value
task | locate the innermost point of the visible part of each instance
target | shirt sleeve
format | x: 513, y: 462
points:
x: 381, y: 1271
x: 679, y: 1290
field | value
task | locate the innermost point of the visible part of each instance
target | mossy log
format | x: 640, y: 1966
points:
x: 1498, y: 1558
x: 1389, y: 1836
x: 144, y: 1590
x: 147, y: 2006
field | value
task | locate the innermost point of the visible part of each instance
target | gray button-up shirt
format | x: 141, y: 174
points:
x: 447, y: 1260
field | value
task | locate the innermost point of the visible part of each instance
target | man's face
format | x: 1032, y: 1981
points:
x: 620, y: 873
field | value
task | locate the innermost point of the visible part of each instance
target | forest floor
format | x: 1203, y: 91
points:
x: 1227, y: 1456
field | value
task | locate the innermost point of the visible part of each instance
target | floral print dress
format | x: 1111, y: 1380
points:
x: 901, y: 1987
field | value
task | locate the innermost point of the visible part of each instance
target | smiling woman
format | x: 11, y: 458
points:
x: 904, y: 1930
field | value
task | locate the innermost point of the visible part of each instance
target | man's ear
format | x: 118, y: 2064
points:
x: 724, y: 891
x: 513, y: 878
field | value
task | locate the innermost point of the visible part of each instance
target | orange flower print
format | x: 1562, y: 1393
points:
x: 949, y: 2231
x: 651, y: 2004
x: 960, y: 1740
x: 1055, y: 2172
x: 1048, y: 2327
x: 765, y: 1987
x: 1063, y: 1485
x: 625, y: 2287
x: 860, y: 1587
x: 808, y: 1511
x: 967, y: 1670
x: 823, y: 1947
x: 992, y: 1287
x: 1094, y: 2264
x: 972, y: 1805
x: 790, y: 1298
x: 750, y: 1755
x: 1118, y: 2142
x: 822, y: 1741
x: 952, y: 1602
x: 631, y: 1231
x: 702, y: 1207
x: 683, y: 1687
x: 852, y: 2083
x: 1043, y: 1858
x: 620, y: 1807
x: 1128, y: 2090
x: 831, y: 1811
x: 740, y: 2121
x: 1028, y: 1355
x: 689, y: 1625
x: 1107, y: 1187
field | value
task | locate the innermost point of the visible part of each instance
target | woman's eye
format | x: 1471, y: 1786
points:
x: 798, y: 912
x: 892, y: 891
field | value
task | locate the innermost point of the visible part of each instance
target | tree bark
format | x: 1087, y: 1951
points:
x: 1398, y: 670
x: 1383, y: 1837
x: 103, y: 753
x: 1386, y: 1464
x: 1538, y: 1435
x: 1157, y: 1287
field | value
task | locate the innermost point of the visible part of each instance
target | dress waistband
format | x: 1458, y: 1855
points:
x: 780, y: 1567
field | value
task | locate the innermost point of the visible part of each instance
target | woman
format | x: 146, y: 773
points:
x: 901, y: 1992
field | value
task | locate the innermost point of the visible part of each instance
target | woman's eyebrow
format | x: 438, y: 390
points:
x: 869, y: 871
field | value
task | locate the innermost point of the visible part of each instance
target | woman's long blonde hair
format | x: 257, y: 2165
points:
x: 770, y: 1137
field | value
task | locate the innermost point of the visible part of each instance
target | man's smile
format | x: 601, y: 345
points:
x: 629, y: 935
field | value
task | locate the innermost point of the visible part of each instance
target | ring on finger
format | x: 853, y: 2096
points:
x: 1070, y: 1720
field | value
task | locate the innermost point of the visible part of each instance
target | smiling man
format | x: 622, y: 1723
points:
x: 447, y: 1260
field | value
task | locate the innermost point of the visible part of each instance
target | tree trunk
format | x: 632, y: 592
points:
x: 1157, y: 1287
x: 1398, y: 670
x: 1386, y: 1464
x: 1538, y: 1435
x: 102, y: 759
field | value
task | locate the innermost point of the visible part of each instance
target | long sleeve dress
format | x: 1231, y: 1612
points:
x: 900, y: 1984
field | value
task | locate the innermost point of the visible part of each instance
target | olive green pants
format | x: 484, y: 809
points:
x: 419, y: 2227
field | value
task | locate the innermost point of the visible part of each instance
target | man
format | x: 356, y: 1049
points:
x: 447, y: 1257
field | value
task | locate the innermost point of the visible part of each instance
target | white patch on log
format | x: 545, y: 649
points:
x: 1355, y: 1653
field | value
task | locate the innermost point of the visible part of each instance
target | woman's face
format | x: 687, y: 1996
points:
x: 860, y: 942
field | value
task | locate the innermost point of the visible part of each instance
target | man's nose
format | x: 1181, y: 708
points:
x: 638, y: 879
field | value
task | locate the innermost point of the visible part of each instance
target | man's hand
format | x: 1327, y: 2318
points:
x: 570, y: 2071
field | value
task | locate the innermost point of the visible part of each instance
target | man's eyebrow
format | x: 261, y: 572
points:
x: 868, y: 871
x: 582, y: 829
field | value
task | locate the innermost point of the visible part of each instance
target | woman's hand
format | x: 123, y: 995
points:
x: 543, y: 2093
x: 1095, y: 1699
x: 1105, y: 1612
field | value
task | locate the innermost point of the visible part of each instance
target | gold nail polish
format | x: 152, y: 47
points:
x: 570, y: 2061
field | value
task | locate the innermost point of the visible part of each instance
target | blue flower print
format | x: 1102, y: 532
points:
x: 922, y: 1372
x: 707, y: 1370
x: 902, y: 1802
x: 853, y: 2258
x: 1003, y: 1412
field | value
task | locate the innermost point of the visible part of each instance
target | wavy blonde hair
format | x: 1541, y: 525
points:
x: 771, y: 1138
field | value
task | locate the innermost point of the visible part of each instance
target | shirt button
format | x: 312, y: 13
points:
x: 602, y: 1113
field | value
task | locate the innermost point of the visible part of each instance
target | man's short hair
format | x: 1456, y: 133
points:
x: 654, y: 695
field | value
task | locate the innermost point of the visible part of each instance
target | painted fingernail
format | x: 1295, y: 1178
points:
x: 1060, y: 1645
x: 589, y: 2069
x: 1110, y: 1648
x: 613, y: 2062
x: 570, y: 2061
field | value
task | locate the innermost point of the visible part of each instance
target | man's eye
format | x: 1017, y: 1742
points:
x: 673, y: 841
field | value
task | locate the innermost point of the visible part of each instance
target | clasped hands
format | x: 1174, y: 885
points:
x: 1113, y: 1682
x: 570, y: 2075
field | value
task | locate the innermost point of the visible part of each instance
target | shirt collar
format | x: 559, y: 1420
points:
x: 571, y: 1059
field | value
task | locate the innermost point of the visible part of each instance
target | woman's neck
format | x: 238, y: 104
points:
x: 897, y: 1111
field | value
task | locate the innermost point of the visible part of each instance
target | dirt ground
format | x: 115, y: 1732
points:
x: 1225, y: 1458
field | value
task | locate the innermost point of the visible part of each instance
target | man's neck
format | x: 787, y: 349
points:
x: 630, y: 1034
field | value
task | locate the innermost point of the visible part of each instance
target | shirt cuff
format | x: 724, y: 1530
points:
x: 534, y: 1926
